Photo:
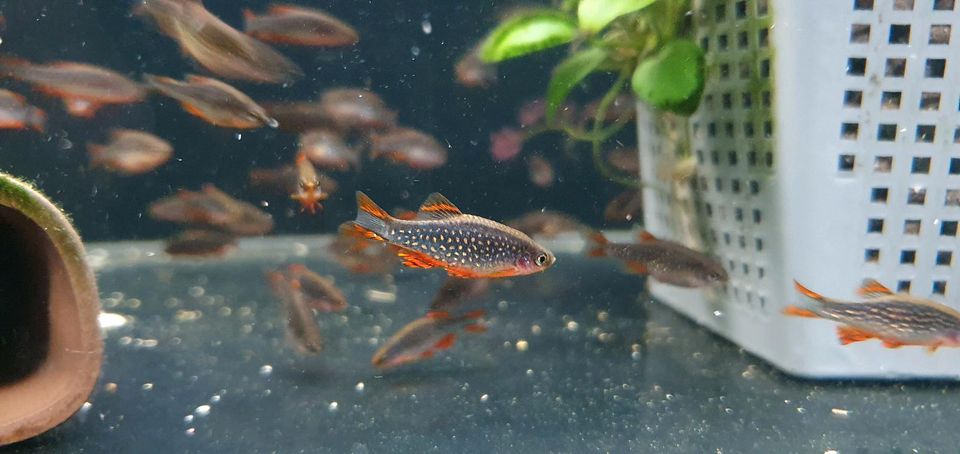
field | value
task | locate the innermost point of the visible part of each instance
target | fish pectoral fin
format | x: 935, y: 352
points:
x: 414, y: 259
x: 932, y: 348
x: 463, y: 274
x: 849, y: 335
x: 797, y: 311
x: 637, y: 267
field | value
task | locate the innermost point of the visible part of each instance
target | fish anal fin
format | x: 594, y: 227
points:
x: 437, y: 207
x: 445, y: 342
x: 414, y: 259
x: 646, y: 237
x: 82, y: 108
x: 637, y: 267
x: 872, y: 288
x: 888, y: 343
x: 464, y: 274
x: 849, y: 335
x: 193, y: 110
x: 426, y: 354
x: 796, y: 311
x: 806, y: 292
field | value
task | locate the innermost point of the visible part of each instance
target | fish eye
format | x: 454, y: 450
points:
x: 541, y: 259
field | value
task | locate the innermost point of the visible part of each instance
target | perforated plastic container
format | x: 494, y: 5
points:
x: 828, y: 151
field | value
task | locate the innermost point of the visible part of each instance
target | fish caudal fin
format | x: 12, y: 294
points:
x: 596, y: 243
x: 371, y: 220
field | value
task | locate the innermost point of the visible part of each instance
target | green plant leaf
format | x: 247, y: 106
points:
x: 568, y: 73
x: 672, y: 79
x: 596, y: 14
x: 526, y: 33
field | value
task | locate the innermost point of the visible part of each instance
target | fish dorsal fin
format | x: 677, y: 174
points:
x: 437, y: 207
x: 872, y: 289
x: 646, y: 237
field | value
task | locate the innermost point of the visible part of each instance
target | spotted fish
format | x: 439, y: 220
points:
x: 441, y: 236
x: 896, y: 319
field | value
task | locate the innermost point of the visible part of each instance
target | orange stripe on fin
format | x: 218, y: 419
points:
x: 806, y: 292
x: 352, y: 229
x: 637, y: 267
x: 872, y: 288
x: 799, y: 312
x: 646, y: 237
x: 446, y: 342
x: 438, y: 315
x: 596, y: 242
x: 366, y: 204
x: 849, y: 335
x: 475, y: 328
x: 892, y: 343
x: 415, y: 259
x: 437, y: 207
x: 473, y: 315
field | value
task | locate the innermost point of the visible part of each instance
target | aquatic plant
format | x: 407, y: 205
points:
x: 641, y: 42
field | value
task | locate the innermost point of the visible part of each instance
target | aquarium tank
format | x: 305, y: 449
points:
x: 663, y: 226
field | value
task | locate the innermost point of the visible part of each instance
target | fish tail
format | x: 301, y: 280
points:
x: 801, y: 311
x: 596, y: 243
x: 372, y: 221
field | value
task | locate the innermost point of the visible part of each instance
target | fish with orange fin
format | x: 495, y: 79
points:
x: 84, y: 88
x: 441, y: 236
x: 472, y: 72
x: 218, y: 47
x: 214, y: 101
x: 666, y: 261
x: 302, y: 330
x: 285, y: 180
x: 425, y: 337
x: 16, y: 113
x: 320, y: 292
x: 130, y: 152
x: 410, y: 147
x: 356, y: 109
x: 299, y: 26
x: 362, y: 256
x: 308, y: 192
x: 896, y: 319
x: 200, y: 243
x: 327, y: 150
x: 211, y: 208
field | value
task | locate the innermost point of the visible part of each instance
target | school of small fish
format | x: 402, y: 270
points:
x: 343, y: 127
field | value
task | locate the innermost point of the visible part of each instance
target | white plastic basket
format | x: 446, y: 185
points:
x: 828, y: 149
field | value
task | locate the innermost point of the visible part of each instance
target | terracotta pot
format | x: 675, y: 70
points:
x: 50, y: 345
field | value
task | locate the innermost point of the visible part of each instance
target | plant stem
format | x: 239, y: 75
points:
x: 598, y: 117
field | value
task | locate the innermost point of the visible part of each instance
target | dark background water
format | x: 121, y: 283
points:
x: 411, y: 69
